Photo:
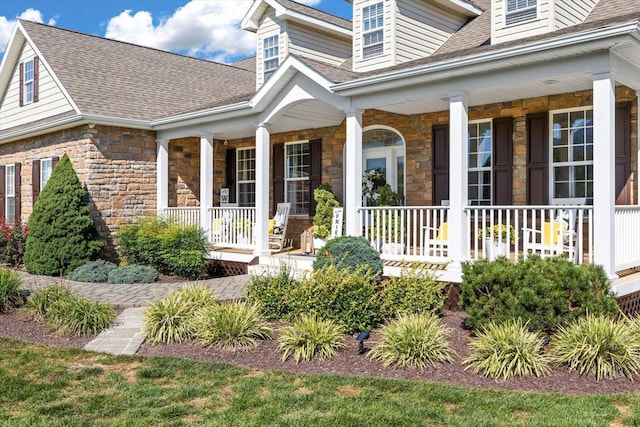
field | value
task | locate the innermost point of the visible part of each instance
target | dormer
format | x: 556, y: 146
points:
x: 285, y: 27
x: 516, y: 19
x: 390, y: 32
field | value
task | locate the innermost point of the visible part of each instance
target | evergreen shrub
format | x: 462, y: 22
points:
x: 62, y: 235
x: 272, y: 291
x: 416, y: 290
x: 133, y: 274
x: 349, y: 253
x: 325, y: 202
x: 93, y: 271
x: 544, y: 293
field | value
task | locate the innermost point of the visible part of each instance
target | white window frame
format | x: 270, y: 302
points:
x: 521, y: 11
x: 240, y: 168
x: 28, y: 80
x: 570, y: 162
x: 373, y: 28
x: 10, y: 193
x: 288, y: 179
x: 270, y: 54
x: 44, y: 176
x: 392, y: 154
x: 479, y: 169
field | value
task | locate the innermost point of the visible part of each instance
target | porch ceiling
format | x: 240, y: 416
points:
x: 308, y: 115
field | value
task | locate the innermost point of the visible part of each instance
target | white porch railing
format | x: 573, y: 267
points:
x: 184, y: 216
x: 232, y: 227
x: 543, y: 230
x: 421, y: 232
x: 407, y: 232
x: 627, y: 246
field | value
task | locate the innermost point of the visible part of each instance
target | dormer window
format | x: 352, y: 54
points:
x: 373, y: 33
x: 270, y: 55
x: 520, y: 11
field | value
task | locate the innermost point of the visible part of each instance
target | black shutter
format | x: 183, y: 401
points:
x: 18, y: 199
x: 440, y: 171
x: 2, y: 192
x: 230, y: 172
x: 54, y: 162
x: 36, y: 79
x: 623, y: 154
x: 35, y: 180
x: 503, y: 161
x: 21, y: 100
x: 537, y: 155
x: 315, y: 171
x: 277, y: 172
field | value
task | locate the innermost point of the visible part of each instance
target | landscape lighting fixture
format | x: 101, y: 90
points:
x: 361, y: 337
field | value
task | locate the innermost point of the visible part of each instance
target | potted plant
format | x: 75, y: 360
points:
x: 384, y: 231
x: 325, y: 202
x: 496, y: 239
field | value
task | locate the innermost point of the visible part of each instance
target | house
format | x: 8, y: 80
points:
x: 479, y: 113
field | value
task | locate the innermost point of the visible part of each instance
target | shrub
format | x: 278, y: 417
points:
x: 325, y: 202
x: 93, y: 271
x: 544, y: 293
x: 272, y: 292
x: 10, y: 292
x: 308, y: 337
x: 62, y: 235
x: 79, y: 316
x: 346, y: 297
x: 599, y: 345
x: 415, y: 291
x: 413, y: 340
x: 13, y: 238
x: 169, y: 247
x: 349, y: 253
x: 133, y: 274
x: 39, y: 302
x: 507, y: 350
x: 172, y: 318
x: 236, y: 325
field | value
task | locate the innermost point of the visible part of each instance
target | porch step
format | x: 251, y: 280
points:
x: 234, y: 255
x: 626, y: 284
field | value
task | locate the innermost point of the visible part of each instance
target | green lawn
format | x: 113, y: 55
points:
x: 43, y: 386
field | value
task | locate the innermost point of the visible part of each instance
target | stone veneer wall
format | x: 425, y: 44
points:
x: 184, y: 172
x: 116, y: 165
x: 417, y: 133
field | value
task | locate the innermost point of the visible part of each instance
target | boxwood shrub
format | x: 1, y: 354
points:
x: 273, y: 292
x: 416, y: 290
x: 350, y: 253
x: 545, y: 293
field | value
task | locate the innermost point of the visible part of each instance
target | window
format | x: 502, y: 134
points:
x: 46, y: 166
x: 28, y: 82
x: 572, y: 154
x: 383, y: 150
x: 297, y: 169
x: 480, y: 163
x: 372, y: 32
x: 10, y: 194
x: 520, y: 11
x: 246, y: 177
x: 270, y: 54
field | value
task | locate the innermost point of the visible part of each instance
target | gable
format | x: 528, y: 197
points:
x: 51, y: 101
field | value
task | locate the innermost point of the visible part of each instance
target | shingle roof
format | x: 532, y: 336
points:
x: 248, y: 64
x: 315, y: 13
x: 118, y: 79
x: 335, y: 74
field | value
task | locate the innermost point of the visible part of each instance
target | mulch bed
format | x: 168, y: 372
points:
x: 348, y: 362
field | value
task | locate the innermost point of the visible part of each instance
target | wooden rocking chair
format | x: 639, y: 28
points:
x: 278, y: 227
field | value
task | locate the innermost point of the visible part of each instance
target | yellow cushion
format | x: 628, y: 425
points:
x: 551, y: 231
x: 216, y: 224
x: 443, y: 231
x: 272, y: 225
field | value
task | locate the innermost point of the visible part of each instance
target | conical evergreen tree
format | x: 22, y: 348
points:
x: 62, y: 235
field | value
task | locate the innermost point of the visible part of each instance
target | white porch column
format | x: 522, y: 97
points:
x: 604, y: 107
x: 162, y: 175
x: 638, y: 145
x: 458, y: 190
x: 262, y: 189
x: 206, y: 180
x: 353, y: 173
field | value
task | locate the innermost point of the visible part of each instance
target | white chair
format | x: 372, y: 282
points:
x: 278, y: 226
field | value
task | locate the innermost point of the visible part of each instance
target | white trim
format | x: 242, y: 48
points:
x: 10, y: 195
x: 43, y: 182
x: 403, y: 153
x: 245, y: 181
x: 505, y: 13
x: 299, y: 179
x: 491, y: 154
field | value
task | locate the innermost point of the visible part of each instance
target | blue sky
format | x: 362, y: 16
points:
x: 203, y: 28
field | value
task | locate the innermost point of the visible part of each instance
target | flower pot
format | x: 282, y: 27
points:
x: 494, y: 249
x: 318, y: 243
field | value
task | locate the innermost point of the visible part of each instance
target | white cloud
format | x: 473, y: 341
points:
x: 309, y: 2
x: 7, y: 25
x: 208, y: 29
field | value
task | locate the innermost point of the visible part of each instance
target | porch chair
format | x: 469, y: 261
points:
x: 558, y: 236
x: 278, y: 227
x: 437, y: 240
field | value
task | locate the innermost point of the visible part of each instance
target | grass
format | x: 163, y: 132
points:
x: 46, y: 386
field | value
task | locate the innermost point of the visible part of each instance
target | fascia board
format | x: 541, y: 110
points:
x: 318, y: 23
x: 210, y: 114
